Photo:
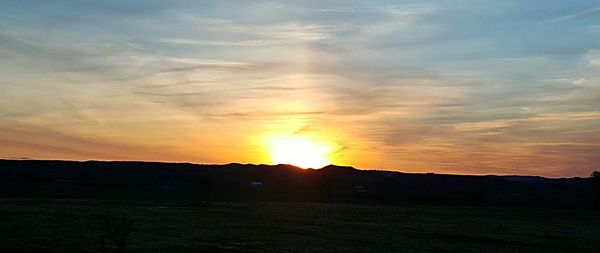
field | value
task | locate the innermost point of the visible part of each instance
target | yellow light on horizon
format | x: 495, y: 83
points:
x: 299, y: 151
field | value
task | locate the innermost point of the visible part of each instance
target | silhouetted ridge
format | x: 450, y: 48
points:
x: 283, y: 182
x: 530, y: 179
x: 333, y: 167
x: 288, y: 166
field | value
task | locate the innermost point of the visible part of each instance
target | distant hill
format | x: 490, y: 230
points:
x: 247, y: 182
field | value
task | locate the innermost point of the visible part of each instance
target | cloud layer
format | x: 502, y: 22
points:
x: 503, y: 87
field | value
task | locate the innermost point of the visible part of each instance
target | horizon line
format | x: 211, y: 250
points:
x: 274, y: 165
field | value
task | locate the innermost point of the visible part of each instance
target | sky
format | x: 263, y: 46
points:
x: 467, y: 87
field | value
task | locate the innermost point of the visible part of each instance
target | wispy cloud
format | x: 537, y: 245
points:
x: 592, y: 12
x: 238, y: 43
x: 496, y: 87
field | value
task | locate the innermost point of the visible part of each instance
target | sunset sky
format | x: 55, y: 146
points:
x: 468, y: 87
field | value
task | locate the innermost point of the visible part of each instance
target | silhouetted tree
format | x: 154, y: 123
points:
x: 596, y: 181
x: 476, y: 194
x: 326, y: 184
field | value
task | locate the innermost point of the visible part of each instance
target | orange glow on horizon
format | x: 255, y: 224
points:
x: 300, y: 151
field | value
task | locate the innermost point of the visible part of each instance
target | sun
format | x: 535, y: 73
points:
x: 299, y: 151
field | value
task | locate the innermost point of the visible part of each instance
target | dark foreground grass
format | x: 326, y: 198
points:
x: 80, y: 225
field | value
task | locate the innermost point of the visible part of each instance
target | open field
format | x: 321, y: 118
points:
x: 79, y: 225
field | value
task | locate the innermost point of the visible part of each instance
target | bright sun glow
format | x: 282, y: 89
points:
x: 298, y: 151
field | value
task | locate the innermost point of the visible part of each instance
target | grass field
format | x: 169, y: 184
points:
x: 80, y: 225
